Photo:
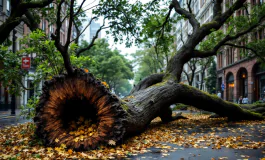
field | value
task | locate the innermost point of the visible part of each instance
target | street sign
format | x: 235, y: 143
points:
x: 25, y: 63
x: 223, y: 86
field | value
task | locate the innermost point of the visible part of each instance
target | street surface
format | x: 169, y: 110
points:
x: 6, y: 119
x: 253, y: 133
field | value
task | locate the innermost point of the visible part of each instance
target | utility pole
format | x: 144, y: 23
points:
x: 13, y: 97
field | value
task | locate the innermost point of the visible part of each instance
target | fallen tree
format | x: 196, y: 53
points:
x: 78, y: 95
x: 65, y: 98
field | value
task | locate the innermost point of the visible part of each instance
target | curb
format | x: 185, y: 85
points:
x: 7, y: 116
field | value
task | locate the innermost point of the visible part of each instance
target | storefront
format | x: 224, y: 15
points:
x: 259, y: 82
x: 5, y: 99
x: 230, y: 87
x: 243, y: 82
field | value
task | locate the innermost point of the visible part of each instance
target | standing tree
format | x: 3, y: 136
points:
x: 109, y: 65
x: 77, y: 93
x: 211, y: 79
x: 148, y: 63
x: 204, y: 63
x: 192, y: 66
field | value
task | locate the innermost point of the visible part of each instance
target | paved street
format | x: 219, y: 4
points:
x: 6, y: 119
x: 251, y: 132
x: 203, y: 154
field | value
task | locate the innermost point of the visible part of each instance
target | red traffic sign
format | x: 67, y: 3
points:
x: 25, y: 63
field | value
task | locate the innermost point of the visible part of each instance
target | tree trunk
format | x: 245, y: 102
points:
x: 67, y: 97
x: 202, y: 81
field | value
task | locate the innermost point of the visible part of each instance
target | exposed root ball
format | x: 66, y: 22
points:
x: 67, y: 98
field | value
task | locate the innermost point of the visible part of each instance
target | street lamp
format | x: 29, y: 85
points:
x: 13, y: 97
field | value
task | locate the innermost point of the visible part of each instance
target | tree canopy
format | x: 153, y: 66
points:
x: 212, y: 78
x: 110, y: 66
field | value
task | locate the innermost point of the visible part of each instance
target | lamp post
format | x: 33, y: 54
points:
x: 13, y: 97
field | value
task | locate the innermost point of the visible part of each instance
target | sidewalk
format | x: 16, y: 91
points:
x: 7, y: 114
x: 6, y: 119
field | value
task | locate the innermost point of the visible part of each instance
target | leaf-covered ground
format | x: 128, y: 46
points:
x: 18, y: 142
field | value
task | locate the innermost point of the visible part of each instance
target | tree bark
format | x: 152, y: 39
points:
x: 66, y: 97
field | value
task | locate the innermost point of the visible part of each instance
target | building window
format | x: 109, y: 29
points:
x: 230, y: 56
x: 8, y: 7
x: 202, y: 2
x: 220, y: 60
x: 221, y: 57
x: 44, y: 25
x: 243, y: 83
x: 196, y: 9
x: 51, y: 29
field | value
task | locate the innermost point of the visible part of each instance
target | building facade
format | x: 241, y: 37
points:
x: 237, y: 73
x: 20, y: 31
x: 5, y: 10
x: 203, y: 9
x: 94, y: 27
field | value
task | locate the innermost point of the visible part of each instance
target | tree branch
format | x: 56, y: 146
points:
x: 64, y: 49
x: 219, y: 17
x: 22, y: 85
x: 217, y: 8
x: 33, y: 25
x: 35, y: 4
x: 56, y: 37
x: 189, y: 7
x: 18, y: 9
x: 92, y: 43
x: 70, y: 24
x: 187, y: 75
x: 248, y: 48
x: 80, y: 33
x: 191, y: 17
x: 161, y: 34
x: 79, y: 9
x: 149, y: 81
x: 203, y: 54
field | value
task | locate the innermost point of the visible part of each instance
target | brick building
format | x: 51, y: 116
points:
x: 241, y: 75
x: 5, y: 10
x: 21, y: 30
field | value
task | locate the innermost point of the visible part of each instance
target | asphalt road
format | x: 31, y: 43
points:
x: 12, y: 121
x: 202, y: 154
x: 7, y: 120
x: 251, y: 132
